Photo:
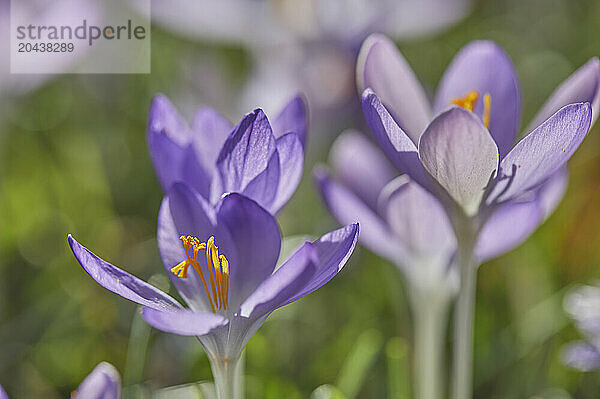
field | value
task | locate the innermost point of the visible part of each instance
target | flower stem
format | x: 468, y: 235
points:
x: 430, y: 316
x: 228, y: 376
x: 462, y: 372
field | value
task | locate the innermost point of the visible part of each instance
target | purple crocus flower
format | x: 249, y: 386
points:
x: 261, y: 160
x: 583, y: 305
x: 102, y: 383
x: 461, y: 151
x: 222, y: 261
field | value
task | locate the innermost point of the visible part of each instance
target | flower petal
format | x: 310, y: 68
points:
x: 183, y: 321
x: 381, y: 67
x: 291, y: 167
x: 257, y: 241
x: 417, y: 219
x: 165, y: 119
x: 287, y: 281
x: 120, y: 282
x: 292, y: 118
x: 582, y: 356
x: 333, y: 250
x: 210, y: 130
x: 102, y: 383
x: 249, y: 162
x: 484, y: 67
x: 347, y: 208
x: 582, y: 86
x: 3, y: 394
x: 399, y: 148
x: 542, y: 152
x: 459, y: 153
x: 361, y: 166
x: 513, y: 222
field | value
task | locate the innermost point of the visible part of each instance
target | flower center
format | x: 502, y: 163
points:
x: 217, y: 266
x: 470, y: 99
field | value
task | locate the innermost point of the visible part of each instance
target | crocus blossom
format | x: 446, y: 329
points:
x: 583, y: 305
x: 102, y: 383
x: 222, y: 261
x: 465, y: 154
x: 259, y: 159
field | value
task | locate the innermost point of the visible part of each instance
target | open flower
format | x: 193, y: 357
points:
x: 465, y: 155
x: 222, y: 261
x: 102, y: 383
x: 261, y: 160
x: 583, y: 305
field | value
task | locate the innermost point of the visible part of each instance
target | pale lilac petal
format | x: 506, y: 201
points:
x: 361, y: 166
x: 459, y: 153
x: 399, y: 148
x: 210, y: 130
x: 249, y: 161
x: 507, y: 228
x: 291, y: 167
x: 3, y: 394
x: 292, y: 118
x: 333, y: 250
x: 484, y: 67
x: 542, y: 152
x: 417, y: 219
x: 582, y: 356
x: 582, y: 86
x: 347, y: 208
x: 183, y: 321
x: 164, y: 119
x: 381, y: 67
x: 513, y: 222
x: 256, y: 237
x: 287, y: 281
x: 102, y: 383
x: 120, y: 282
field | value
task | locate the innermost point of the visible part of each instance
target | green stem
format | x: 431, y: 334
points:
x: 462, y: 372
x: 228, y: 376
x: 430, y: 317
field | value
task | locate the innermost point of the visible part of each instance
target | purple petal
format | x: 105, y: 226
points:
x: 484, y: 67
x: 249, y: 162
x: 102, y: 383
x: 291, y: 166
x: 542, y: 152
x: 381, y: 67
x: 417, y: 219
x: 183, y: 321
x: 292, y: 118
x: 257, y: 241
x: 399, y: 148
x: 347, y: 208
x: 582, y: 86
x: 513, y: 222
x: 120, y: 282
x: 459, y: 153
x: 210, y: 130
x: 3, y: 394
x: 287, y: 281
x: 164, y: 119
x: 333, y: 250
x: 582, y: 356
x: 361, y: 166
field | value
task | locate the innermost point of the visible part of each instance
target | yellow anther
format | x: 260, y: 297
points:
x: 470, y: 99
x: 225, y: 267
x: 487, y: 109
x: 181, y: 269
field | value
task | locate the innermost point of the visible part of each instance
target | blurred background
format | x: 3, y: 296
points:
x: 73, y: 159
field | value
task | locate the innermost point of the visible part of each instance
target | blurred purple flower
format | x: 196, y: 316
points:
x: 583, y: 305
x: 465, y: 155
x: 261, y: 160
x: 230, y: 289
x: 102, y: 383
